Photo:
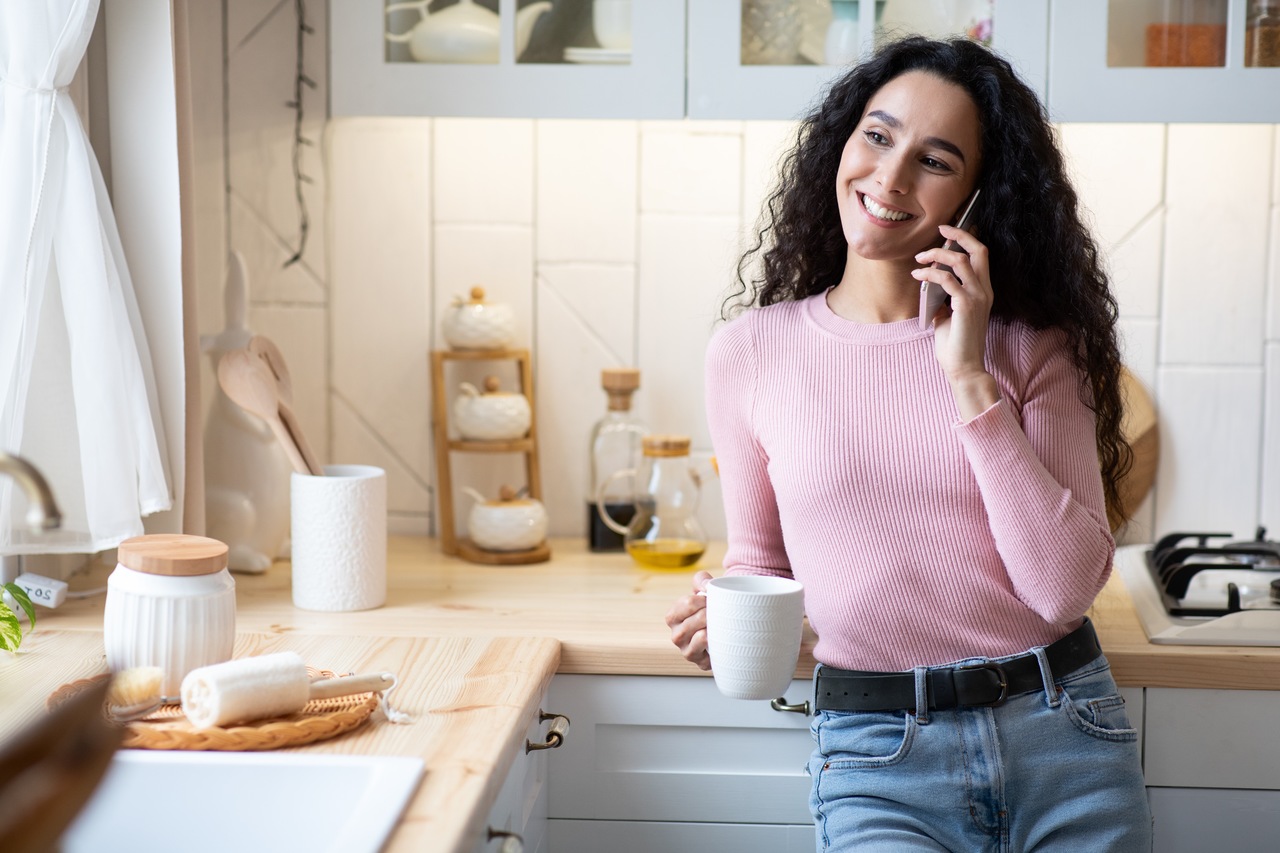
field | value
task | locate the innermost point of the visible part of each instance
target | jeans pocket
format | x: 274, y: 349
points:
x: 1102, y: 717
x: 863, y: 739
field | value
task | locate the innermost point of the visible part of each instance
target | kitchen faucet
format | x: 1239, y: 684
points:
x: 43, y: 513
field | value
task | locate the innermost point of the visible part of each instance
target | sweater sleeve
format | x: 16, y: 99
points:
x: 755, y: 544
x: 1040, y: 482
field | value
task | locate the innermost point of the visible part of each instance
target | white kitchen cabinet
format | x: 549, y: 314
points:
x: 1096, y: 73
x: 518, y: 819
x: 667, y: 763
x: 722, y: 86
x: 1212, y: 766
x: 618, y: 836
x: 1076, y: 55
x: 365, y: 81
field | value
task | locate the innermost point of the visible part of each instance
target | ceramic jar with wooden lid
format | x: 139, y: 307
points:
x: 171, y: 603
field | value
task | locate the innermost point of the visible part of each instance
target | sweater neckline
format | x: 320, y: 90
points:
x: 819, y: 313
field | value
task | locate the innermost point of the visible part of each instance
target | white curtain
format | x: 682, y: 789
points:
x: 77, y: 392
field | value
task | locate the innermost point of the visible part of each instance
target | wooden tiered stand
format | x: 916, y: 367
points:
x: 446, y: 446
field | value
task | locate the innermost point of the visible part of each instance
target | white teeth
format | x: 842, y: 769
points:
x: 883, y: 212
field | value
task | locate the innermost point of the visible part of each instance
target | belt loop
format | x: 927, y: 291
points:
x: 1046, y: 676
x: 922, y: 695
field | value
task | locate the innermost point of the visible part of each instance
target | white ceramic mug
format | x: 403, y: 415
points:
x: 754, y: 626
x: 611, y: 23
x: 339, y: 538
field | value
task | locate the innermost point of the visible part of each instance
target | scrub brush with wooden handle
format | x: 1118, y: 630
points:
x: 134, y: 693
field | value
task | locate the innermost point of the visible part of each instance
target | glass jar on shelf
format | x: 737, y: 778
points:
x: 1262, y: 34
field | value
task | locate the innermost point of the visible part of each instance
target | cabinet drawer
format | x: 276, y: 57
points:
x: 591, y: 836
x: 1212, y: 738
x: 673, y: 749
x: 1193, y: 820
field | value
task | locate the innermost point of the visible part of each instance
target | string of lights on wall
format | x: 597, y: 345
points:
x: 300, y: 81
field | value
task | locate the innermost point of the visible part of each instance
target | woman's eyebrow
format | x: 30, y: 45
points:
x: 935, y: 141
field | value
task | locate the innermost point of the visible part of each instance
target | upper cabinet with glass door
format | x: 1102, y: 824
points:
x: 544, y: 58
x: 771, y: 59
x: 1165, y: 60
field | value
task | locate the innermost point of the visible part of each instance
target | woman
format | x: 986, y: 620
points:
x: 940, y: 488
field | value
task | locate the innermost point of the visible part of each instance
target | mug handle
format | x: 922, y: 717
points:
x: 604, y: 513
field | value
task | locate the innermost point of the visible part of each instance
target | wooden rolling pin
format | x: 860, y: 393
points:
x: 254, y: 688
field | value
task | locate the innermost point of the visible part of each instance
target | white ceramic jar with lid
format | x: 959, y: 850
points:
x: 479, y: 324
x: 171, y: 603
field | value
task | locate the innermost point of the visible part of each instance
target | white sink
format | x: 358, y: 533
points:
x: 221, y: 801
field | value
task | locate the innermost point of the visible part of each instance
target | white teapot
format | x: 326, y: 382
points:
x: 494, y: 415
x: 510, y: 523
x: 476, y: 324
x: 463, y: 32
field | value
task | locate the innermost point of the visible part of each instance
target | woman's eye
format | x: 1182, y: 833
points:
x: 875, y: 137
x: 934, y: 163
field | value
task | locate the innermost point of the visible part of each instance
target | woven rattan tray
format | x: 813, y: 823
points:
x: 167, y: 727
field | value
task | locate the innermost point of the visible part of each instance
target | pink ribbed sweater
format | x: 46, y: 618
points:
x: 920, y: 539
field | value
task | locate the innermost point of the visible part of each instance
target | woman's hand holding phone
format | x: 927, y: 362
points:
x: 960, y: 332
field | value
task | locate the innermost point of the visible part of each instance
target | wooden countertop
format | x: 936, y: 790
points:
x: 476, y: 646
x: 608, y: 613
x: 471, y: 701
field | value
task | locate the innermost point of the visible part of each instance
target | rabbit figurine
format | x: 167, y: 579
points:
x: 246, y: 470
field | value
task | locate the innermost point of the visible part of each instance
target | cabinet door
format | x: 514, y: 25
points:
x: 1212, y: 738
x: 521, y: 805
x: 648, y: 748
x: 1108, y: 63
x: 592, y: 836
x: 572, y: 77
x: 772, y: 59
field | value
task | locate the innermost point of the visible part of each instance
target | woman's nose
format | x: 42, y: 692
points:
x: 892, y: 174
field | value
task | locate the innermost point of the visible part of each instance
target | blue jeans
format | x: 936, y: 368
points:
x: 1053, y: 770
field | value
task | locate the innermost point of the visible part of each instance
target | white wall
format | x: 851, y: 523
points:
x: 616, y: 240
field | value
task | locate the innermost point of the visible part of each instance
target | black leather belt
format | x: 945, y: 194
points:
x: 977, y: 685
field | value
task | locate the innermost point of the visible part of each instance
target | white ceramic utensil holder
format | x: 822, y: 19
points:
x: 171, y: 603
x: 339, y: 538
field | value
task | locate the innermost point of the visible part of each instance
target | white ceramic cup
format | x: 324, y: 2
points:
x: 611, y: 23
x: 338, y: 524
x: 754, y: 626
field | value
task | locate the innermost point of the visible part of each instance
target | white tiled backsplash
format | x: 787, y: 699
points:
x: 616, y: 241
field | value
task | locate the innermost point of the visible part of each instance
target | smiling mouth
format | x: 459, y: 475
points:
x: 882, y: 213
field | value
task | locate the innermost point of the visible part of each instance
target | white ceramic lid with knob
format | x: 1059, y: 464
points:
x: 494, y: 415
x: 476, y: 323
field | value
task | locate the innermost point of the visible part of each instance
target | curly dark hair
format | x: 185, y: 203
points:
x: 1045, y: 266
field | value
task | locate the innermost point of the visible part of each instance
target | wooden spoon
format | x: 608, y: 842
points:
x: 248, y: 381
x: 266, y: 349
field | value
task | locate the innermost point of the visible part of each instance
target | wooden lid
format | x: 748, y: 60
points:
x: 617, y: 379
x: 173, y: 554
x: 666, y: 445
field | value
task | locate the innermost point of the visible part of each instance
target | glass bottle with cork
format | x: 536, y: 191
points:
x: 615, y: 446
x: 1262, y: 34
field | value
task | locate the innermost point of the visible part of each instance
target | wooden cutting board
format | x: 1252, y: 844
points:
x: 1142, y: 431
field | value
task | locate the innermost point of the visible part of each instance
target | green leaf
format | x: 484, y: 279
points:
x: 10, y: 630
x: 24, y: 601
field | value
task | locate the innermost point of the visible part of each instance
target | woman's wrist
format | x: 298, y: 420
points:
x: 974, y: 393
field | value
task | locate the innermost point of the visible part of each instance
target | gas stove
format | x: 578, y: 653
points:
x: 1205, y: 589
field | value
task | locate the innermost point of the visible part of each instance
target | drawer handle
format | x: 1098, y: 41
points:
x: 511, y: 841
x: 780, y: 704
x: 555, y: 732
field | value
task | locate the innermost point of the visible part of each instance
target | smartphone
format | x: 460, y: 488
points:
x: 932, y: 296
